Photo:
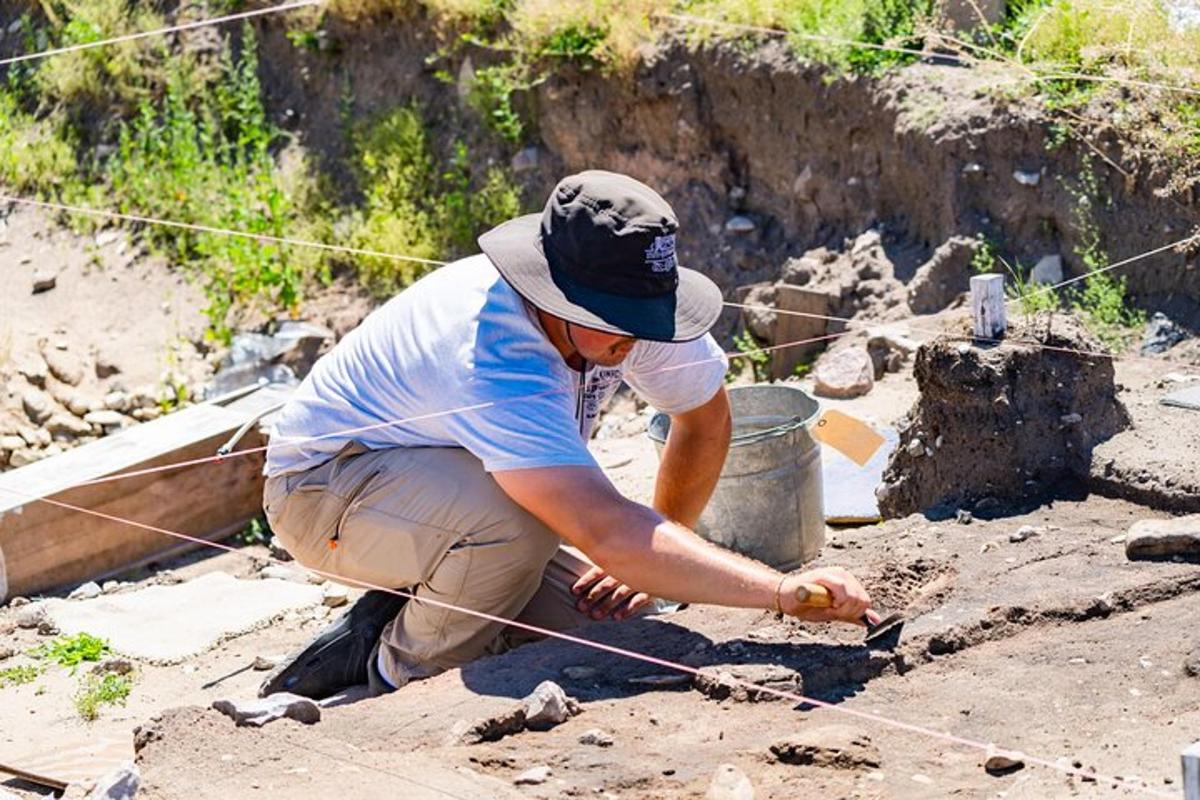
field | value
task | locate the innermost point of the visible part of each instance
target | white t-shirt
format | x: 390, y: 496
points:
x: 460, y: 360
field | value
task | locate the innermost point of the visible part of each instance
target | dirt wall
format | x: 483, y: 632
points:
x: 925, y: 154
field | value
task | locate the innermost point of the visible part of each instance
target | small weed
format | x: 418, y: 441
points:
x: 71, y: 651
x: 491, y: 94
x: 18, y: 676
x: 96, y: 691
x: 984, y: 259
x: 753, y: 353
x: 1102, y: 301
x: 257, y: 531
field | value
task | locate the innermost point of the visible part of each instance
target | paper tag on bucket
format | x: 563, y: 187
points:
x: 853, y: 438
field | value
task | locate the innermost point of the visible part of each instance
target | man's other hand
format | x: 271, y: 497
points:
x: 601, y: 595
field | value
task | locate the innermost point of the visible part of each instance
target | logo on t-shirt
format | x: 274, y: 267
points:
x: 660, y: 256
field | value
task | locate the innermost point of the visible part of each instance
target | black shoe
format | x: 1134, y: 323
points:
x: 337, y: 658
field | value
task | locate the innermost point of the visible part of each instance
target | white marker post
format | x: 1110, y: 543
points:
x: 987, y: 306
x: 1191, y: 772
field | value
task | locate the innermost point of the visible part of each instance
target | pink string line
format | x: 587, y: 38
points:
x: 637, y: 656
x: 187, y: 26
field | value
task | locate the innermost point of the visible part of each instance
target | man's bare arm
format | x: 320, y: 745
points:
x: 692, y: 459
x: 639, y: 547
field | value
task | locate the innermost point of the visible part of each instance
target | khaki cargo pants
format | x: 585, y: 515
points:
x: 432, y: 521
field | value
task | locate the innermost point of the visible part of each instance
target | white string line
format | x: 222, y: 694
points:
x: 1100, y: 270
x: 644, y: 657
x: 963, y: 60
x: 187, y: 26
x: 260, y: 237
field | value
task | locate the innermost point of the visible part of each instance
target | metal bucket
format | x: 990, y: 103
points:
x: 768, y: 503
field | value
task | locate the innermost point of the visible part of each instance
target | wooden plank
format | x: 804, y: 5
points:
x: 794, y: 328
x: 43, y: 546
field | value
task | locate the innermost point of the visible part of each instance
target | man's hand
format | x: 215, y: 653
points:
x: 850, y: 599
x: 600, y: 594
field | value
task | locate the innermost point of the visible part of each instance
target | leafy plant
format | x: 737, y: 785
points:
x: 96, y: 691
x: 71, y: 651
x: 257, y: 531
x: 491, y: 94
x: 984, y: 259
x: 18, y: 676
x: 752, y: 352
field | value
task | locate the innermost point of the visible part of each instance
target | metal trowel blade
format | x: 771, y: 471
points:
x: 886, y: 635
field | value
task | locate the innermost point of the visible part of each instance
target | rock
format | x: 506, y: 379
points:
x: 1048, y: 270
x: 730, y: 783
x: 105, y: 418
x: 740, y: 225
x: 263, y: 663
x: 1022, y: 533
x: 85, y: 592
x: 47, y: 628
x: 109, y: 587
x: 488, y: 729
x: 1161, y: 335
x: 6, y: 652
x: 1027, y: 178
x: 11, y: 443
x: 119, y: 666
x: 1164, y: 538
x: 23, y: 458
x: 37, y: 405
x: 78, y: 405
x: 32, y: 615
x: 44, y: 280
x: 844, y: 373
x: 596, y: 738
x: 33, y: 369
x: 916, y: 448
x: 283, y: 574
x: 837, y: 746
x: 18, y: 602
x: 67, y: 425
x: 146, y: 414
x: 760, y: 321
x: 525, y: 160
x: 118, y: 401
x: 64, y: 366
x: 1000, y: 762
x: 534, y: 776
x: 1071, y: 419
x: 1191, y: 664
x: 963, y: 517
x: 944, y: 276
x: 577, y: 673
x: 259, y: 712
x: 278, y: 551
x: 335, y: 595
x: 121, y: 783
x: 106, y: 364
x: 548, y: 705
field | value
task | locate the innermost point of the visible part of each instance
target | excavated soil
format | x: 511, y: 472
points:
x: 1002, y: 424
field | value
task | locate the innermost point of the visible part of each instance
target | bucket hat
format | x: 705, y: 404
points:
x: 602, y: 255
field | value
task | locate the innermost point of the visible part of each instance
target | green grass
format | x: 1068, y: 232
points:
x: 752, y: 353
x: 71, y: 651
x: 96, y: 691
x: 18, y: 676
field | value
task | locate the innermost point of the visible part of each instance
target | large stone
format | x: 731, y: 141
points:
x: 105, y: 418
x: 121, y: 783
x: 64, y: 366
x: 32, y: 615
x: 730, y: 783
x: 760, y: 319
x: 11, y: 442
x: 260, y: 711
x: 844, y: 373
x: 534, y: 776
x: 837, y: 746
x: 1161, y: 335
x: 1048, y: 270
x: 548, y: 705
x: 37, y: 405
x: 1164, y: 538
x: 67, y: 425
x: 944, y: 276
x: 85, y: 591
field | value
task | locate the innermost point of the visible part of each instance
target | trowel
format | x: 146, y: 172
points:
x: 883, y: 636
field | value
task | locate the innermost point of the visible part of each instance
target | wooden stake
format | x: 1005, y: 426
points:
x: 1191, y: 772
x: 987, y: 306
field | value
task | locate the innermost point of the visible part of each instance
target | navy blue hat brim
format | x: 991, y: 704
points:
x: 515, y: 248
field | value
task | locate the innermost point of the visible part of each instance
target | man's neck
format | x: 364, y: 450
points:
x: 556, y: 332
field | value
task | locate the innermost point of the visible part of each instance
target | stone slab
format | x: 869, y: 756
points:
x: 169, y: 624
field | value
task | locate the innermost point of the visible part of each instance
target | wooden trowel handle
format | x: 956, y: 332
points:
x: 814, y: 595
